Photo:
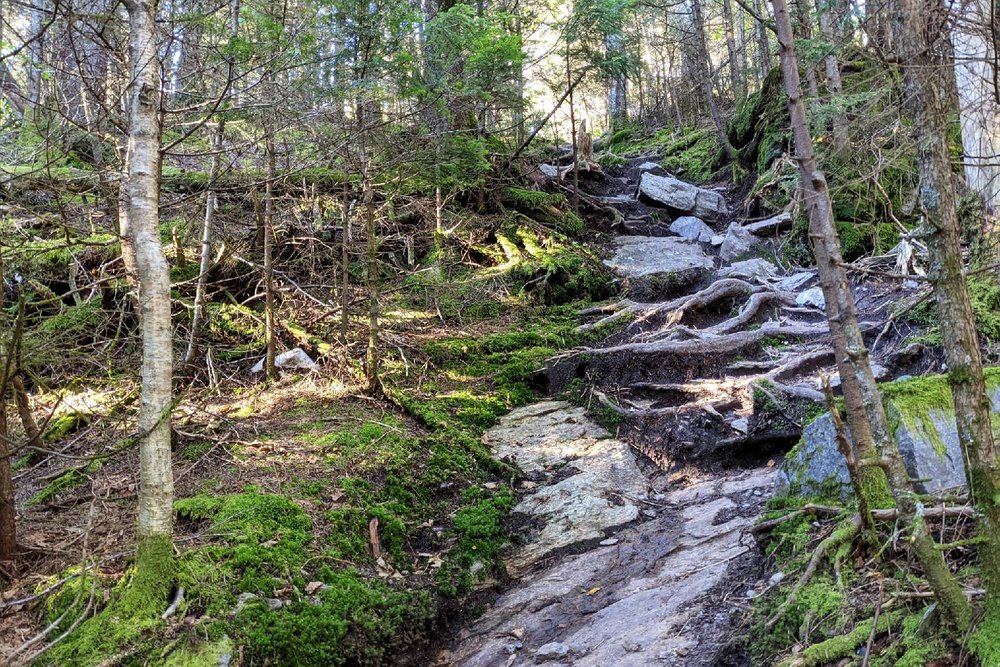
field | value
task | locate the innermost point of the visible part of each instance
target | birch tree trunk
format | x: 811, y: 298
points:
x: 735, y: 75
x: 976, y: 78
x: 921, y: 37
x: 763, y: 42
x: 830, y: 17
x: 142, y: 194
x: 698, y: 20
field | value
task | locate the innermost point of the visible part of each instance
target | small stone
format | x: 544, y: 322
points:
x: 776, y: 578
x: 649, y: 513
x: 690, y: 227
x: 682, y: 651
x: 771, y: 225
x: 738, y: 242
x: 648, y: 166
x: 551, y: 651
x: 718, y: 240
x: 751, y: 594
x: 795, y: 281
x: 274, y: 604
x: 742, y: 425
x: 609, y: 541
x: 550, y: 170
x: 812, y: 298
x: 911, y: 284
x: 750, y: 268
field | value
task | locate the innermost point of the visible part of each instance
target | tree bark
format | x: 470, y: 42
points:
x: 698, y: 20
x: 735, y: 75
x: 830, y: 18
x: 976, y: 77
x: 270, y: 328
x: 925, y: 54
x: 866, y: 418
x: 156, y: 483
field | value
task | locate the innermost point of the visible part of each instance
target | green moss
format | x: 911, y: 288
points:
x: 844, y: 645
x: 351, y: 622
x: 63, y: 482
x: 125, y: 625
x: 203, y: 654
x: 258, y: 537
x: 547, y: 208
x: 695, y: 155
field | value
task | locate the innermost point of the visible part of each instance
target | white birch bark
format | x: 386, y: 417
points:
x: 142, y: 192
x: 976, y: 80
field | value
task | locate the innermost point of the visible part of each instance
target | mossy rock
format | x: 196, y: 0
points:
x: 922, y: 417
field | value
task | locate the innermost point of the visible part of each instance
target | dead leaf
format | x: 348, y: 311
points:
x: 593, y: 590
x: 313, y: 586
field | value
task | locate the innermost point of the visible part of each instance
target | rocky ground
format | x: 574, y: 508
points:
x: 636, y: 548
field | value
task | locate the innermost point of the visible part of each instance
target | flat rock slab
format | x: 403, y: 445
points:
x: 599, y: 485
x: 654, y: 265
x: 659, y: 595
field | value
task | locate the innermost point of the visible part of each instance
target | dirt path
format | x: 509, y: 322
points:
x: 637, y: 550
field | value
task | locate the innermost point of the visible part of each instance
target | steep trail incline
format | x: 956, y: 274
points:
x: 636, y: 547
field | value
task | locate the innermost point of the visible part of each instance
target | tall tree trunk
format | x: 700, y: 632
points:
x: 270, y: 327
x: 763, y: 42
x: 156, y: 481
x: 830, y: 17
x: 925, y: 54
x: 735, y: 75
x: 200, y: 298
x: 8, y: 511
x: 977, y: 80
x: 866, y: 418
x: 698, y: 25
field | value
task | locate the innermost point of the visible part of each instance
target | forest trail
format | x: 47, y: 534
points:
x: 625, y: 562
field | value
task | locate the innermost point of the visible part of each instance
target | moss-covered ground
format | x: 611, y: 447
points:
x: 316, y: 524
x: 831, y: 621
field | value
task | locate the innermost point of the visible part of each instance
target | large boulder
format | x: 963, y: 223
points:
x: 654, y: 266
x: 683, y: 197
x: 921, y: 414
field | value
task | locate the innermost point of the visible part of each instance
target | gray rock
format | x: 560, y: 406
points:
x: 718, y: 239
x: 927, y: 438
x: 690, y: 227
x: 652, y: 592
x: 750, y: 268
x: 550, y: 170
x: 771, y: 225
x: 655, y: 264
x: 741, y: 425
x: 795, y: 281
x: 649, y: 166
x: 601, y: 491
x: 738, y: 242
x: 551, y: 651
x: 684, y: 197
x: 812, y: 298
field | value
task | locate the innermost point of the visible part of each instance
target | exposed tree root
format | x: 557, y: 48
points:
x: 827, y: 652
x: 718, y: 344
x: 675, y: 308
